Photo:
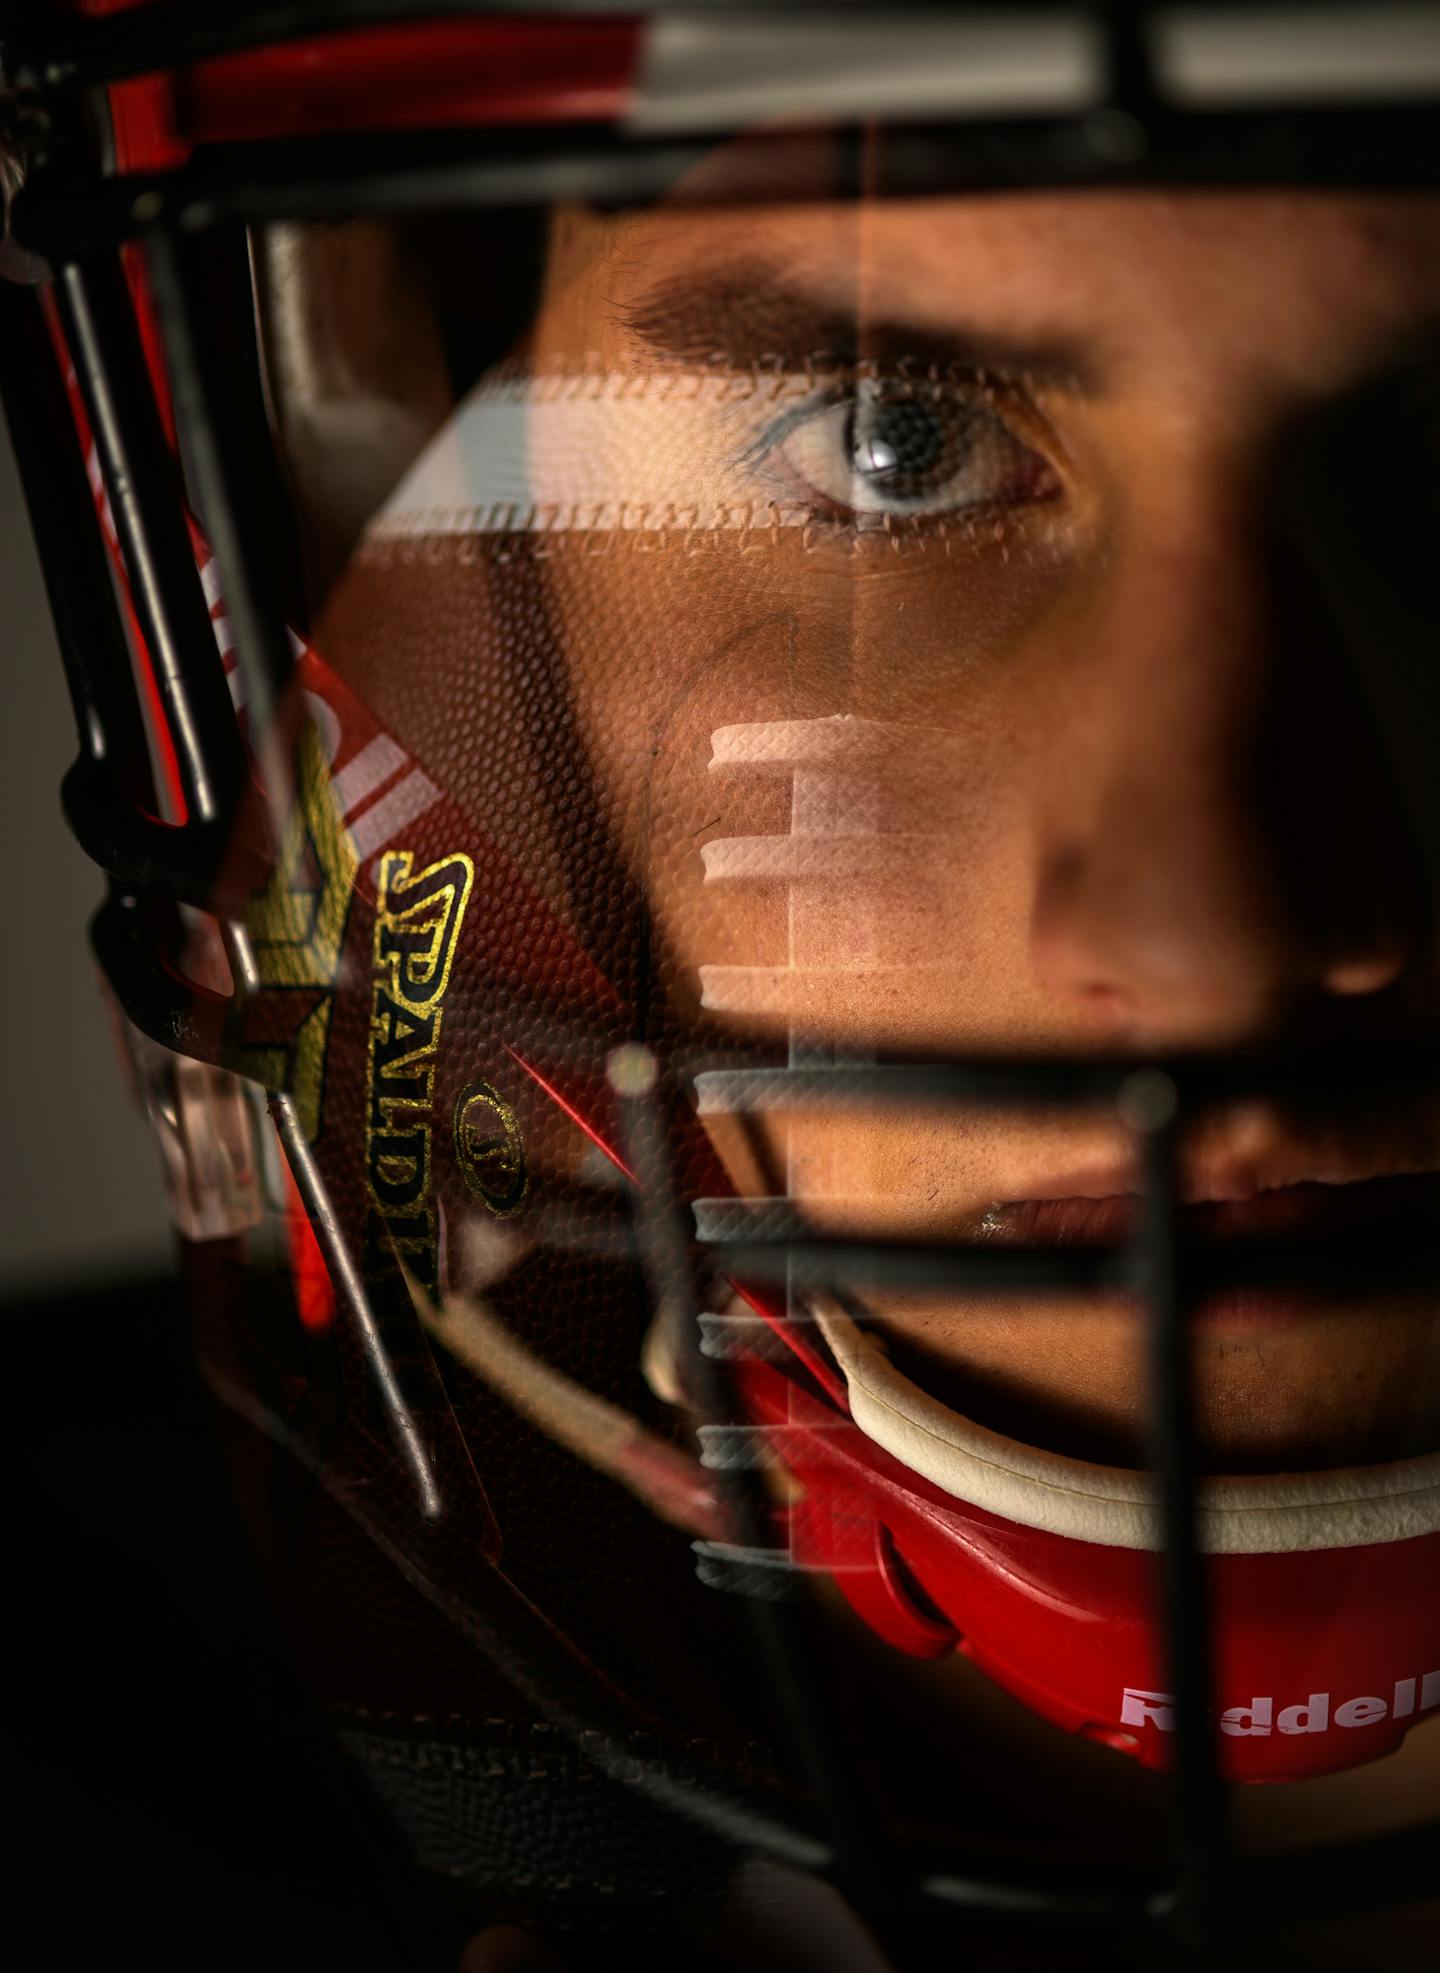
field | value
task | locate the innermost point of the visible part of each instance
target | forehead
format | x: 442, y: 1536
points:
x: 1324, y: 282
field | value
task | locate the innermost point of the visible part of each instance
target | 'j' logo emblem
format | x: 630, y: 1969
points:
x: 489, y: 1149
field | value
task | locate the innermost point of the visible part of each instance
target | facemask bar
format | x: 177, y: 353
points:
x: 77, y: 218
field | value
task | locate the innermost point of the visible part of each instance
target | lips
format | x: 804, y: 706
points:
x: 1407, y: 1204
x: 1361, y: 1232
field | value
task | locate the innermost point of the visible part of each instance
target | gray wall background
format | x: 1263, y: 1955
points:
x: 80, y: 1194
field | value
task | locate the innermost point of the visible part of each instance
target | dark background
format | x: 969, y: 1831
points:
x: 171, y: 1803
x: 79, y: 1179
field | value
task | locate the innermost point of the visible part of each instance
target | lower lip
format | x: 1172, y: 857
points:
x: 1359, y: 1215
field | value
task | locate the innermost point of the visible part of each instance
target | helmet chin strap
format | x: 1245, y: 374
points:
x: 605, y: 1436
x: 1114, y: 1507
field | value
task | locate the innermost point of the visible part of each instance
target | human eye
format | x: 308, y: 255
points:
x: 868, y: 450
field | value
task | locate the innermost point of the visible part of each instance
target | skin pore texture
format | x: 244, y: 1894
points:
x: 911, y: 572
x: 1045, y: 747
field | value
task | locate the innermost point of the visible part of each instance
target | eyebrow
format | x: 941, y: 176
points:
x: 742, y: 314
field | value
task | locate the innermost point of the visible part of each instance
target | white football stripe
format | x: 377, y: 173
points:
x: 383, y: 820
x: 327, y: 723
x: 598, y: 452
x: 369, y: 770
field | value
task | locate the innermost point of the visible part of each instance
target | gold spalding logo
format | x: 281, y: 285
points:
x: 490, y: 1151
x: 297, y: 932
x: 418, y: 916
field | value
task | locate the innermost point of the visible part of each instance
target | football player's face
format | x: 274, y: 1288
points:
x: 950, y: 691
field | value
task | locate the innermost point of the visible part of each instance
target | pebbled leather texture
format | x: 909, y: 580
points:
x: 547, y: 1605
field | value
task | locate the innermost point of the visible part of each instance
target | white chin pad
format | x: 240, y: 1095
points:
x: 1259, y: 1514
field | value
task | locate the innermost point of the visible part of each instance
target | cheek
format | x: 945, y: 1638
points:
x: 816, y: 757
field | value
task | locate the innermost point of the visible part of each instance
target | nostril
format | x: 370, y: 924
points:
x: 1070, y: 942
x: 1128, y: 933
x: 1100, y: 997
x: 1370, y: 973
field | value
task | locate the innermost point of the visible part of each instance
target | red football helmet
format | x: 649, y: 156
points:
x: 756, y: 693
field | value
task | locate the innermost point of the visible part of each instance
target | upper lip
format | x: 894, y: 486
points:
x: 1227, y: 1178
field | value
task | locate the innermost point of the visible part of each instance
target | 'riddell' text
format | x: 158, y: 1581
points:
x: 1310, y: 1715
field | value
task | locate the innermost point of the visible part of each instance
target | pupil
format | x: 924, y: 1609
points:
x: 895, y: 441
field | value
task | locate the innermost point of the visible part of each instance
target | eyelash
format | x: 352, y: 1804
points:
x: 1034, y: 466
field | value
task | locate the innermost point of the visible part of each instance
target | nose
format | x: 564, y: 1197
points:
x: 1215, y: 842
